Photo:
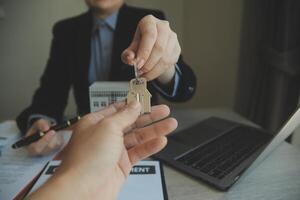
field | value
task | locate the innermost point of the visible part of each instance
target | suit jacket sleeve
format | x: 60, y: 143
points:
x: 50, y: 98
x: 187, y: 79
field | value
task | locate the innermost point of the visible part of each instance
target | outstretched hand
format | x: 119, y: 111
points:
x: 104, y: 147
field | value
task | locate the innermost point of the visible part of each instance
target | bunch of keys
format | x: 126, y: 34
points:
x: 138, y: 91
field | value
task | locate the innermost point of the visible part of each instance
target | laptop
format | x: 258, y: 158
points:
x: 219, y: 151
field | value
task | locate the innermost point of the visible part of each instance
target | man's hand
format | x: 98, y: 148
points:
x: 155, y: 49
x: 103, y: 148
x: 50, y: 142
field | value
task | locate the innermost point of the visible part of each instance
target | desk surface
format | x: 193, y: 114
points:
x: 278, y: 177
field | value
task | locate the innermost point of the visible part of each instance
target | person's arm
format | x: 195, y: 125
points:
x: 50, y: 98
x: 156, y: 51
x: 100, y: 155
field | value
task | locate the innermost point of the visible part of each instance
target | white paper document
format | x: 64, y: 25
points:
x: 144, y: 182
x: 17, y: 168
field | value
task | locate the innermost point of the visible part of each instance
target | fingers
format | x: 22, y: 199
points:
x: 43, y: 125
x: 143, y: 42
x: 147, y: 149
x: 160, y: 46
x: 128, y: 54
x: 155, y: 50
x: 158, y: 112
x: 111, y: 109
x: 148, y: 31
x: 148, y: 133
x: 167, y: 60
x: 38, y: 148
x: 94, y: 118
x: 123, y: 118
x: 55, y: 143
x: 39, y: 125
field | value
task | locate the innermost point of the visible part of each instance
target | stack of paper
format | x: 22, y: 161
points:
x: 17, y: 168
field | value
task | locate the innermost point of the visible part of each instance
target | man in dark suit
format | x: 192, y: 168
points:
x: 101, y: 45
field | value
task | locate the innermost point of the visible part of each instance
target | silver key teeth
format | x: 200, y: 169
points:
x: 136, y: 71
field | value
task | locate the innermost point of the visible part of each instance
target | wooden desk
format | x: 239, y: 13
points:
x: 278, y: 177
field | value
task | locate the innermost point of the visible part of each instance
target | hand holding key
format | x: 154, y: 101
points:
x: 156, y: 49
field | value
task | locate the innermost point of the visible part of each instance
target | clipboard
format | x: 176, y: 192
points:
x: 137, y: 184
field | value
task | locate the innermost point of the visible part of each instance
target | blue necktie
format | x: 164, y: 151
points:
x: 100, y: 61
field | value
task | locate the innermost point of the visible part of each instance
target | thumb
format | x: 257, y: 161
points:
x: 127, y: 116
x: 43, y: 125
x: 128, y: 56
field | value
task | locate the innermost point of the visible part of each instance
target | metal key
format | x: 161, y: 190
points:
x: 138, y: 91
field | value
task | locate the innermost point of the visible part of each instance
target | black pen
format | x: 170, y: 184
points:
x: 38, y: 135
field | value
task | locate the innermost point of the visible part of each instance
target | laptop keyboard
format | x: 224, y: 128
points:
x: 219, y: 157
